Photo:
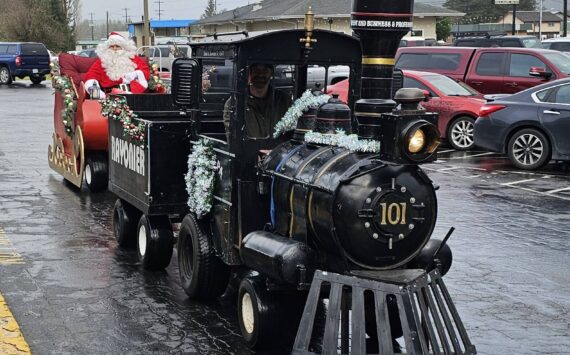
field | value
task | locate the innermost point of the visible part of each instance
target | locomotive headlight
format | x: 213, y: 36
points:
x: 417, y: 141
x: 421, y: 140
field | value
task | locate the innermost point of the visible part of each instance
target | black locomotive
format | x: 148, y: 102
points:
x: 291, y: 210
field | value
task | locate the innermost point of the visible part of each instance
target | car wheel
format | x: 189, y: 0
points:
x: 5, y: 77
x: 125, y: 219
x: 460, y: 133
x: 529, y: 149
x: 36, y: 79
x: 96, y: 176
x: 203, y: 274
x: 155, y: 242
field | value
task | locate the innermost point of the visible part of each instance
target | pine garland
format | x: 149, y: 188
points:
x: 155, y: 83
x: 289, y: 121
x: 64, y: 86
x: 116, y: 108
x: 202, y: 167
x: 341, y: 139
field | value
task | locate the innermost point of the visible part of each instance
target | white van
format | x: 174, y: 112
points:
x: 561, y: 44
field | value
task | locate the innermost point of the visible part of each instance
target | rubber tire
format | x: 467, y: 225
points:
x: 125, y: 223
x: 3, y: 72
x: 544, y: 158
x: 450, y: 130
x: 36, y: 79
x: 97, y: 177
x: 158, y: 242
x: 203, y: 275
x: 266, y: 320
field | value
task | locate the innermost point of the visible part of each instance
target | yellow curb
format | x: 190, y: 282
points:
x: 12, y: 340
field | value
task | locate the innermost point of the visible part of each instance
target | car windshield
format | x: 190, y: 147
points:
x: 531, y: 42
x: 448, y: 86
x: 560, y: 61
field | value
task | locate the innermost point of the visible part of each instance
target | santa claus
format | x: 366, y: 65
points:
x: 117, y: 64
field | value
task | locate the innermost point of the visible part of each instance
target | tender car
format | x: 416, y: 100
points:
x: 22, y: 59
x: 531, y: 127
x: 457, y: 104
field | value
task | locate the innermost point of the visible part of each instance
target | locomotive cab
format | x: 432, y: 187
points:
x: 241, y: 199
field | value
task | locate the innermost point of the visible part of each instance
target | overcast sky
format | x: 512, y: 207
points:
x: 171, y: 9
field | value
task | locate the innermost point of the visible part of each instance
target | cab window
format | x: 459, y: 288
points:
x: 520, y: 64
x: 490, y: 64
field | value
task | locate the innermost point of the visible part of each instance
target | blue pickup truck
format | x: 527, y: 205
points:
x: 21, y: 59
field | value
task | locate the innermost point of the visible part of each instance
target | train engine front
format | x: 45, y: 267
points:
x: 359, y: 201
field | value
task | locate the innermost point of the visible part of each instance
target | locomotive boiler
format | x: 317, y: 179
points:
x: 327, y: 228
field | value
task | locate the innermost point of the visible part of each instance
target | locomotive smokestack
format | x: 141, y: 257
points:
x: 380, y: 25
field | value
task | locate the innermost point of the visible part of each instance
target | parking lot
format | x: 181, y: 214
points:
x: 72, y: 290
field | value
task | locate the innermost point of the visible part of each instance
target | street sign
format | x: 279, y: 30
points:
x: 507, y: 2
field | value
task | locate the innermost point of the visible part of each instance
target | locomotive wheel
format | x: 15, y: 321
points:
x: 203, y: 275
x: 155, y: 242
x: 257, y: 314
x: 460, y: 133
x: 96, y: 176
x: 125, y: 219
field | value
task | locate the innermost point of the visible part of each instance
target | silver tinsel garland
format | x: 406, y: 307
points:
x: 343, y: 140
x: 289, y: 121
x: 202, y: 166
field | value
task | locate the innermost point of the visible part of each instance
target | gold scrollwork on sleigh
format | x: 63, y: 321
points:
x: 70, y: 166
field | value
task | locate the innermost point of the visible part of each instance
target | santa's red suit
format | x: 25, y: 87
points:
x: 117, y: 64
x: 99, y: 73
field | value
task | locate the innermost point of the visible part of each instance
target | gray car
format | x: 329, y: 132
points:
x: 532, y: 126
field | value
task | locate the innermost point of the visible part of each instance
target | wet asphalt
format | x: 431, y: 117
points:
x: 73, y: 291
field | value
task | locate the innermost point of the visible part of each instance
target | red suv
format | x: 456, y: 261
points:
x: 501, y: 70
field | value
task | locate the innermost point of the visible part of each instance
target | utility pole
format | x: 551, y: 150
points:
x: 146, y: 26
x: 540, y: 23
x: 565, y: 19
x: 92, y: 25
x: 126, y: 14
x: 514, y: 18
x: 159, y: 10
x: 107, y: 23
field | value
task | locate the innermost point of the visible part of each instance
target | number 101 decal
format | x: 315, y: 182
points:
x: 393, y: 213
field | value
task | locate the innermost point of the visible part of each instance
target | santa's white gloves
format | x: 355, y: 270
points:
x: 137, y: 75
x: 91, y: 85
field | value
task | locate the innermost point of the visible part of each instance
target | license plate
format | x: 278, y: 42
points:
x: 35, y: 71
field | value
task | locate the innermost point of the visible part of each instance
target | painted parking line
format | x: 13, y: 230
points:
x: 558, y: 190
x: 12, y: 341
x: 473, y: 156
x: 516, y: 182
x: 8, y: 255
x: 446, y: 151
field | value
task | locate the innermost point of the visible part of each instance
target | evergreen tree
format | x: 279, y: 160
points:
x: 210, y: 9
x: 443, y: 29
x: 484, y: 11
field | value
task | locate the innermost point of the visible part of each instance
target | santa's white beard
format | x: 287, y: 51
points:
x: 117, y: 63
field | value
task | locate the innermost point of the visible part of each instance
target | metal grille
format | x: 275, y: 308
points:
x: 421, y: 305
x: 185, y: 82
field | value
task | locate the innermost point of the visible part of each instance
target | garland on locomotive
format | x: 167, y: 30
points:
x: 284, y: 207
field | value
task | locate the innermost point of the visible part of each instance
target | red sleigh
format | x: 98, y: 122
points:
x: 79, y: 148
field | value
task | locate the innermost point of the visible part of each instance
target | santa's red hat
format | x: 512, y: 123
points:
x: 115, y: 38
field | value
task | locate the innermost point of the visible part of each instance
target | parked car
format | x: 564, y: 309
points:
x: 561, y: 44
x: 458, y: 105
x: 501, y: 40
x: 417, y: 41
x: 89, y: 53
x: 531, y: 127
x: 22, y: 59
x: 316, y: 75
x: 488, y: 70
x: 165, y: 54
